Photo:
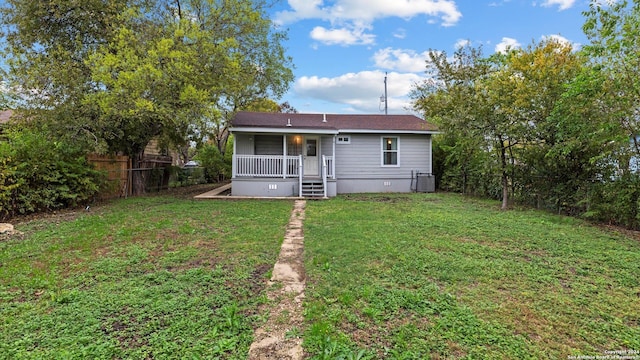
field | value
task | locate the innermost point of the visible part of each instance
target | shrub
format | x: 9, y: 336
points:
x: 616, y: 201
x: 39, y: 174
x: 216, y: 166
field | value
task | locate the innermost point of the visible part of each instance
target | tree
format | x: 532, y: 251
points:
x: 614, y: 33
x: 465, y: 98
x: 613, y: 29
x: 121, y: 73
x: 496, y: 112
x: 533, y: 81
x: 287, y: 108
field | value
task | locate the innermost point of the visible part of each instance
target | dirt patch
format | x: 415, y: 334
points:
x: 377, y: 198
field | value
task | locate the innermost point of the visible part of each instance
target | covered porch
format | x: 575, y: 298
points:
x: 277, y: 164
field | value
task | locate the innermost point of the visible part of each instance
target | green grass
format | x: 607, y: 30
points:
x: 153, y: 277
x: 419, y: 276
x: 407, y: 276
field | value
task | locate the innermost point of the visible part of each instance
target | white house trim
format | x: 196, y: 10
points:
x: 382, y: 151
x: 367, y: 131
x: 290, y: 130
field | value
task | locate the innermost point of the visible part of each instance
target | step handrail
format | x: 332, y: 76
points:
x: 324, y: 176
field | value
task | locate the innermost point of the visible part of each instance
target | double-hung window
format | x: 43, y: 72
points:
x: 390, y: 153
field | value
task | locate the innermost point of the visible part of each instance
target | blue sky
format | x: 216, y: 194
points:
x: 342, y: 48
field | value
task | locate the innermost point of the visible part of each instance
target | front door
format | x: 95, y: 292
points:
x: 311, y: 156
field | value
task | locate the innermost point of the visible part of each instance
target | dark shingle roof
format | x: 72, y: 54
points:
x: 336, y: 122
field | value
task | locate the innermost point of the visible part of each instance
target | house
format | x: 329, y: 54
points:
x: 321, y: 155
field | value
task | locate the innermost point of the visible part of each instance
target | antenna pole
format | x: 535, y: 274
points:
x: 386, y: 107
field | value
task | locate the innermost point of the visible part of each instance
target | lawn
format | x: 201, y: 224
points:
x: 419, y: 276
x: 404, y: 276
x: 152, y: 277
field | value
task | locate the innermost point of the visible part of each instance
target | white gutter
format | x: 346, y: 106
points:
x: 370, y: 131
x: 283, y: 130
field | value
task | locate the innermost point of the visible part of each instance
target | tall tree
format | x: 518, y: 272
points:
x: 124, y: 72
x: 613, y: 29
x: 533, y: 81
x: 468, y: 100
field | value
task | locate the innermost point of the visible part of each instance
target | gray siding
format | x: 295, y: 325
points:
x: 268, y: 144
x: 272, y: 187
x: 362, y: 158
x: 244, y: 144
x: 326, y: 145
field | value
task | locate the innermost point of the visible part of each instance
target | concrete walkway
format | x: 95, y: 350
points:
x: 279, y: 337
x: 217, y: 194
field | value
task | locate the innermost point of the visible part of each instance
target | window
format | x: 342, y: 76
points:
x: 312, y: 147
x: 294, y: 145
x: 390, y: 147
x: 344, y: 139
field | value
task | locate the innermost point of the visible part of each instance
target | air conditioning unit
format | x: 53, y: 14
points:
x: 425, y: 182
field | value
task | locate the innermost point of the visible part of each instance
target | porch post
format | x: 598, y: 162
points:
x: 284, y: 156
x: 234, y: 159
x: 300, y: 171
x: 333, y: 163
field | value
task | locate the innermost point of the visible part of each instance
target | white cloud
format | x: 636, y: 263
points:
x: 400, y: 33
x: 563, y: 4
x: 359, y: 92
x: 342, y: 36
x: 461, y: 43
x: 507, y: 43
x: 368, y: 11
x: 498, y: 3
x: 403, y: 60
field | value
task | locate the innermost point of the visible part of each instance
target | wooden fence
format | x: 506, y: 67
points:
x: 154, y: 171
x: 118, y: 174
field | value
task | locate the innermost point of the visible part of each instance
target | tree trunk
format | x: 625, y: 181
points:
x: 221, y: 140
x: 137, y: 175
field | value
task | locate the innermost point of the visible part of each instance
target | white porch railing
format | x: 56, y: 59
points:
x: 330, y: 166
x: 267, y: 165
x: 324, y: 175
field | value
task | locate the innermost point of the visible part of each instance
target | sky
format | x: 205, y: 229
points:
x: 343, y: 49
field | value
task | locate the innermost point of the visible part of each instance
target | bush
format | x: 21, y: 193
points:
x: 40, y: 174
x: 216, y: 167
x: 616, y: 201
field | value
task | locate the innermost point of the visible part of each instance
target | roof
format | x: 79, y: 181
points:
x: 5, y: 115
x: 330, y: 123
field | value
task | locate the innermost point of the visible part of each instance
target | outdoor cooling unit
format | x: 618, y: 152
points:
x: 425, y: 182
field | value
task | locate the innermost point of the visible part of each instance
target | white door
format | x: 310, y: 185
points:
x: 311, y: 156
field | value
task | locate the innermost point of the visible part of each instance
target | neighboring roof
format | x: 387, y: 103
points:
x: 5, y: 115
x: 330, y: 123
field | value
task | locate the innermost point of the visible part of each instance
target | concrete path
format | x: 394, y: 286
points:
x: 279, y: 337
x: 215, y: 193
